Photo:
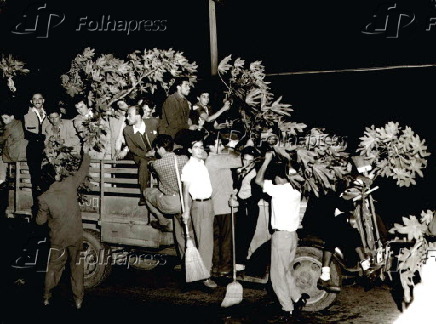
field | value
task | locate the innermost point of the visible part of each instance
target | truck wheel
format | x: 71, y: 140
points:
x: 97, y: 257
x: 307, y: 269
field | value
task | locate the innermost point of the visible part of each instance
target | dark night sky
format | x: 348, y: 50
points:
x: 286, y: 36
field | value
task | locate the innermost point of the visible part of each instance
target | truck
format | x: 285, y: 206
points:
x: 118, y: 232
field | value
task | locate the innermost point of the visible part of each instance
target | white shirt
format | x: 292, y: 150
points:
x: 140, y: 129
x: 245, y: 190
x: 40, y: 118
x: 196, y: 177
x: 285, y: 206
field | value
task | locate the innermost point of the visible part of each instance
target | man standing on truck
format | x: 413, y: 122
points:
x: 285, y: 219
x: 59, y: 207
x: 34, y: 121
x: 175, y: 109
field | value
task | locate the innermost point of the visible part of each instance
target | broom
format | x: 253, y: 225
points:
x: 194, y: 266
x: 235, y: 291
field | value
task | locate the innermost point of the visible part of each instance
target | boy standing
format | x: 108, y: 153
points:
x: 197, y: 192
x: 285, y: 208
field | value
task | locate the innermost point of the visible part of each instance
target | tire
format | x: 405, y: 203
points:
x: 307, y: 269
x: 97, y: 259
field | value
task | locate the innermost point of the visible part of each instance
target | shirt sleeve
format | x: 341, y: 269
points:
x: 268, y: 187
x: 184, y: 176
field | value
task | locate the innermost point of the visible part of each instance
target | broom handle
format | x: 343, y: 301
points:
x: 179, y: 184
x: 233, y: 243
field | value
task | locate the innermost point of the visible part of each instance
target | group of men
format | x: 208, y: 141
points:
x: 199, y: 191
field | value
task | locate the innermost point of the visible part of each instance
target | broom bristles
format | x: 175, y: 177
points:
x: 234, y: 294
x: 195, y: 268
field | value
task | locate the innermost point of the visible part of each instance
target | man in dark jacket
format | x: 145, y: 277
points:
x: 175, y: 110
x: 139, y: 139
x: 13, y: 141
x: 59, y: 207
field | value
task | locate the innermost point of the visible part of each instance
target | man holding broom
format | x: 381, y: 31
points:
x: 198, y: 207
x: 285, y: 208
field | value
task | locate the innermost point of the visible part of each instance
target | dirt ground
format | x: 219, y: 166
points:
x: 156, y: 296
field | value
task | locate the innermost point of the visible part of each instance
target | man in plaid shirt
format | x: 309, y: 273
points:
x: 166, y: 198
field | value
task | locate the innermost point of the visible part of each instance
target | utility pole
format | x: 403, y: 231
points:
x: 213, y: 39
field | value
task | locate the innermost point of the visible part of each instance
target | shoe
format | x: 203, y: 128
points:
x: 142, y: 202
x: 46, y: 302
x: 79, y: 303
x: 328, y: 286
x: 209, y: 283
x: 300, y: 303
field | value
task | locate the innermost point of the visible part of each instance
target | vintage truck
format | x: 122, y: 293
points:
x: 117, y: 230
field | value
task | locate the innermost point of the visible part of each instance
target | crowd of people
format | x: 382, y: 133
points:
x: 205, y: 174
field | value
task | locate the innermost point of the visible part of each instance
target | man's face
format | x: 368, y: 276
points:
x: 147, y: 111
x: 197, y: 150
x: 184, y: 88
x: 204, y: 99
x: 37, y: 101
x: 55, y: 118
x: 247, y: 160
x: 7, y: 119
x: 132, y: 117
x: 81, y: 108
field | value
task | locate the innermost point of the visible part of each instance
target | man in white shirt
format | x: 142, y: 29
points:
x: 34, y: 122
x: 285, y: 208
x: 197, y: 193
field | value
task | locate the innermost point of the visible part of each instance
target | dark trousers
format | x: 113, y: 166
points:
x: 34, y: 156
x: 222, y: 243
x: 58, y: 258
x: 248, y: 213
x: 143, y: 173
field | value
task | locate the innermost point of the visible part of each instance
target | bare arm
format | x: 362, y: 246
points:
x: 187, y: 202
x: 217, y: 114
x: 260, y: 177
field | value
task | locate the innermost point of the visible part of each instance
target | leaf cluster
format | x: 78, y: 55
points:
x: 396, y: 152
x: 249, y: 92
x: 107, y: 79
x: 411, y: 259
x: 321, y: 161
x: 67, y: 163
x: 11, y: 68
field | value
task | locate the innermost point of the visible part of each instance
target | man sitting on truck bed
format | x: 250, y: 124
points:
x: 166, y: 198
